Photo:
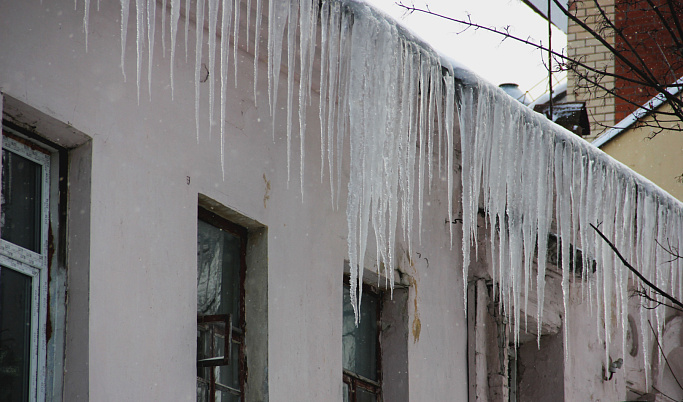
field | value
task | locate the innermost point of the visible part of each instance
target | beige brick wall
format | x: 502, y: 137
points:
x: 582, y: 46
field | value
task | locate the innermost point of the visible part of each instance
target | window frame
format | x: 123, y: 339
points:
x: 354, y: 380
x: 33, y: 264
x: 238, y: 332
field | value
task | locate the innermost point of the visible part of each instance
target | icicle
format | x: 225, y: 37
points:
x: 235, y: 35
x: 449, y: 121
x: 607, y: 219
x: 344, y: 88
x: 412, y: 116
x: 151, y: 28
x: 305, y: 27
x: 277, y: 18
x: 661, y: 280
x: 86, y: 17
x: 257, y: 36
x: 422, y: 132
x: 627, y: 244
x: 333, y: 83
x: 564, y: 195
x: 125, y: 11
x: 187, y: 26
x: 355, y: 186
x: 226, y: 18
x: 163, y: 26
x: 324, y: 74
x: 467, y: 138
x: 213, y: 19
x: 198, y: 61
x: 248, y: 21
x: 140, y: 18
x: 530, y: 184
x: 175, y: 16
x: 313, y: 27
x: 430, y: 119
x: 544, y: 207
x: 291, y: 53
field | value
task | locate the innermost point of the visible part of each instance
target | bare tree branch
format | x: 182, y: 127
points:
x: 663, y: 354
x: 590, y: 78
x: 635, y: 271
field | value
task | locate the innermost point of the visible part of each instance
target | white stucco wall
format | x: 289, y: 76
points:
x: 143, y: 212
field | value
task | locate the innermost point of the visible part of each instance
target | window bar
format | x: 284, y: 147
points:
x: 227, y: 340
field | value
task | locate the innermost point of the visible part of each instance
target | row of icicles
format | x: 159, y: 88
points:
x: 399, y: 105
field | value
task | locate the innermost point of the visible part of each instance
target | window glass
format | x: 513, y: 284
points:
x: 24, y: 199
x: 21, y: 197
x: 365, y: 396
x: 15, y: 334
x: 220, y: 328
x: 218, y: 271
x: 360, y: 343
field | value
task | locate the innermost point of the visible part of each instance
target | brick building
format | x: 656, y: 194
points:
x: 628, y: 120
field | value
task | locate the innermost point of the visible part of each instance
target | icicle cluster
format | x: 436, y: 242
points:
x: 391, y: 97
x: 386, y: 93
x: 532, y: 178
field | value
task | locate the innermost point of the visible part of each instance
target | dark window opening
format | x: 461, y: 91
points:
x: 361, y: 348
x: 221, y: 268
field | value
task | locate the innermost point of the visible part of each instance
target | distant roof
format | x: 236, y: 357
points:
x: 647, y: 108
x: 558, y: 91
x: 557, y: 17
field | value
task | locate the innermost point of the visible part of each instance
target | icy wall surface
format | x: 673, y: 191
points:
x: 395, y: 101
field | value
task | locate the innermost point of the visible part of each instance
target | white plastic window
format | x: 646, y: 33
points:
x: 24, y: 219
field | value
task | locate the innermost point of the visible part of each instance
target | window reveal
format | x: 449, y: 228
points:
x: 221, y: 266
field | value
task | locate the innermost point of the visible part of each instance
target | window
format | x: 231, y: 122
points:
x: 360, y: 348
x: 24, y: 219
x: 221, y: 263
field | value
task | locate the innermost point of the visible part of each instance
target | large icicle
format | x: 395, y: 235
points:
x: 278, y: 12
x: 235, y: 36
x: 187, y: 25
x: 291, y: 61
x: 151, y: 29
x: 163, y: 27
x: 125, y: 11
x: 213, y: 20
x: 324, y: 73
x: 226, y: 19
x: 306, y: 28
x: 140, y: 6
x: 86, y: 21
x: 198, y: 61
x: 175, y: 16
x: 257, y: 37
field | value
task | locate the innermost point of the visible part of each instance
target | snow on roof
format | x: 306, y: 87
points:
x: 647, y: 108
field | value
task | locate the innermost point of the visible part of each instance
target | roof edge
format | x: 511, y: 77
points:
x: 647, y: 108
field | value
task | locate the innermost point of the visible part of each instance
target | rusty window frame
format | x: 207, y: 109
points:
x: 354, y: 380
x: 236, y: 332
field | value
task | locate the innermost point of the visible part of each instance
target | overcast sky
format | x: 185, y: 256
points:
x: 484, y: 53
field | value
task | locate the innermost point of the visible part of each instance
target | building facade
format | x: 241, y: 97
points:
x: 158, y: 244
